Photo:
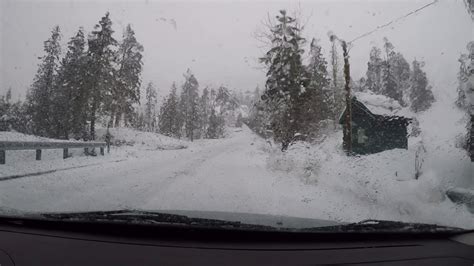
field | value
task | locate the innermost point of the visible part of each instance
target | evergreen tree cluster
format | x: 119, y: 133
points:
x: 301, y: 98
x: 12, y: 114
x: 193, y: 115
x: 389, y: 74
x: 98, y: 77
x: 297, y: 98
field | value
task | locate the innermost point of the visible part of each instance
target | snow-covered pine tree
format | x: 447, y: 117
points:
x: 71, y: 102
x: 258, y: 116
x: 240, y: 120
x: 389, y: 76
x: 205, y: 108
x: 150, y: 107
x: 189, y: 105
x: 39, y: 99
x: 374, y: 71
x: 286, y: 78
x: 12, y: 114
x: 169, y: 122
x: 400, y: 69
x: 5, y: 114
x: 101, y: 71
x: 5, y: 103
x: 18, y: 120
x: 216, y: 126
x: 317, y: 102
x: 389, y: 84
x: 127, y: 91
x: 421, y: 96
x: 225, y: 104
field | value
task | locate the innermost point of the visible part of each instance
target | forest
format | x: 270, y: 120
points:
x: 97, y: 82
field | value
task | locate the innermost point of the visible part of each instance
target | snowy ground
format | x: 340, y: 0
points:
x: 244, y: 173
x: 129, y: 142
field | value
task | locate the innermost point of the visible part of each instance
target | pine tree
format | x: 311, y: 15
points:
x: 205, y: 108
x: 12, y: 114
x: 389, y: 84
x: 225, y: 105
x: 189, y: 105
x: 286, y: 78
x: 72, y: 93
x: 101, y: 70
x: 5, y: 102
x: 127, y: 91
x: 170, y: 120
x: 389, y: 76
x: 240, y: 121
x: 18, y: 118
x: 421, y: 96
x: 400, y: 69
x: 317, y: 100
x: 258, y: 119
x: 216, y: 126
x: 40, y: 104
x: 150, y: 107
x: 374, y: 71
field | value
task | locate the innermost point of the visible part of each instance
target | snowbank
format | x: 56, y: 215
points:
x: 383, y: 185
x: 128, y: 143
x: 23, y: 162
x: 378, y: 186
x: 16, y: 136
x: 140, y: 139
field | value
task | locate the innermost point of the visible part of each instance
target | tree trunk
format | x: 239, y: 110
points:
x: 92, y: 129
x: 118, y: 116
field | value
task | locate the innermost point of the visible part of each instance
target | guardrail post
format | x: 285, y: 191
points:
x: 102, y: 151
x: 2, y: 157
x: 38, y: 154
x: 65, y: 153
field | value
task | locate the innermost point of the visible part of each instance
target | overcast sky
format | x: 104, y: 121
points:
x: 216, y: 39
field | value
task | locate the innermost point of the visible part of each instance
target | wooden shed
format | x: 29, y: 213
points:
x: 372, y: 133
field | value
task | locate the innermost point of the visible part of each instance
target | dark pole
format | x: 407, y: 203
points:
x: 347, y: 77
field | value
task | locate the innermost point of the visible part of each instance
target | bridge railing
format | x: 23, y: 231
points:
x: 39, y: 146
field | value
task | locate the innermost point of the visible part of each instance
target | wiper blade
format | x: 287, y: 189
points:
x: 151, y: 218
x: 381, y: 226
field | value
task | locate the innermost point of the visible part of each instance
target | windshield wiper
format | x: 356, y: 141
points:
x: 381, y: 226
x: 168, y: 219
x: 151, y: 218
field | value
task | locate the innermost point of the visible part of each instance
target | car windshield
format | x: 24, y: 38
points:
x: 316, y: 112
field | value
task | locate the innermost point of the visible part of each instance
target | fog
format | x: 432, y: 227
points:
x: 217, y: 41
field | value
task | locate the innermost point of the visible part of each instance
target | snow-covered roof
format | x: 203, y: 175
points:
x: 379, y: 104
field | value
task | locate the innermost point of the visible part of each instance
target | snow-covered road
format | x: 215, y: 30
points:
x: 240, y: 173
x: 210, y: 175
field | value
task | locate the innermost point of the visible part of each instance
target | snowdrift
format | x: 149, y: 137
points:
x: 127, y: 143
x: 384, y: 185
x: 143, y: 140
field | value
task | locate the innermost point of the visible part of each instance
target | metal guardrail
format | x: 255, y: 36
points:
x: 38, y: 146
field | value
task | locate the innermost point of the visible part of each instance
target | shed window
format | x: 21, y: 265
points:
x: 361, y: 137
